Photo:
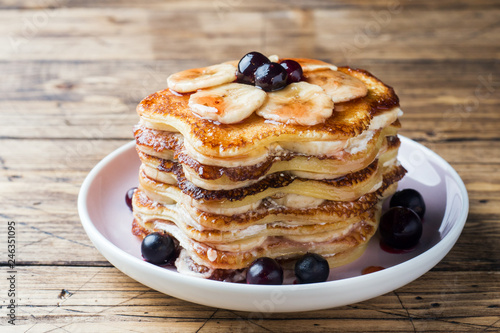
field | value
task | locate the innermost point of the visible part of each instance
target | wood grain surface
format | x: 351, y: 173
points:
x: 72, y: 73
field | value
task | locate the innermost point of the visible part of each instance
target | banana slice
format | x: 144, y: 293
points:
x: 228, y: 103
x: 273, y: 58
x: 311, y: 65
x: 339, y: 86
x: 205, y: 77
x: 298, y: 103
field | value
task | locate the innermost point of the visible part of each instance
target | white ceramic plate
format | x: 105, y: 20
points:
x: 107, y: 221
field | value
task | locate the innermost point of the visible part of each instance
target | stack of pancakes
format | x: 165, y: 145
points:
x: 231, y: 193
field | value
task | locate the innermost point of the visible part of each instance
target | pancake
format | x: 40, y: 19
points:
x: 233, y: 173
x: 168, y: 145
x: 304, y: 166
x: 216, y: 228
x: 168, y: 111
x: 274, y: 246
x: 268, y: 211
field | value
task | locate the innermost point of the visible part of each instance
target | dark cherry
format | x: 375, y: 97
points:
x: 293, y: 69
x: 392, y: 250
x: 312, y: 268
x: 265, y: 271
x: 129, y: 196
x: 409, y: 198
x: 157, y: 248
x: 247, y: 66
x: 400, y: 228
x: 271, y: 77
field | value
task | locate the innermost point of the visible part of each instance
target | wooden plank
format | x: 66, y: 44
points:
x: 257, y: 5
x: 97, y: 100
x: 151, y: 34
x: 421, y: 83
x: 104, y: 296
x: 98, y: 34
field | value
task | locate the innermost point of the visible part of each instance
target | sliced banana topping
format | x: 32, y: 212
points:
x: 205, y: 77
x: 311, y: 65
x: 339, y: 86
x: 228, y: 103
x: 298, y: 103
x: 274, y: 58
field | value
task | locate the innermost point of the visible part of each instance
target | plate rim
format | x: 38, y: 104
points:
x: 108, y: 249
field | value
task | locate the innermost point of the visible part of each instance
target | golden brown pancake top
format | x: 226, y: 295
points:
x: 166, y: 110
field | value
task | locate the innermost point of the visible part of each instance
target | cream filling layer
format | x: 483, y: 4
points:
x: 176, y: 199
x: 298, y: 201
x: 185, y: 265
x: 317, y: 174
x: 351, y: 146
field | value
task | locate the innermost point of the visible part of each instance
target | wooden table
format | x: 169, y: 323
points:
x: 72, y: 73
